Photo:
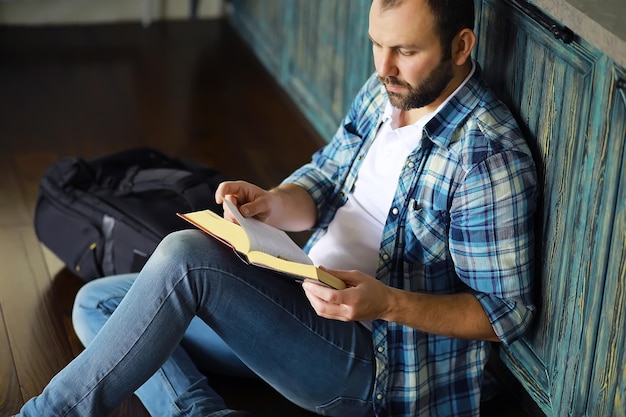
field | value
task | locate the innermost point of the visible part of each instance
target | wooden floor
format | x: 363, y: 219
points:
x: 190, y: 89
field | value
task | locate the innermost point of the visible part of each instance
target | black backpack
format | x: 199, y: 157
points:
x: 106, y: 216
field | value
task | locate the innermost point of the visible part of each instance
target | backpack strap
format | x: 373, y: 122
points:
x: 195, y: 188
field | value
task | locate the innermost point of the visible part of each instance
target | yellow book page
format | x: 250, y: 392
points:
x: 236, y: 237
x: 294, y: 268
x: 215, y: 225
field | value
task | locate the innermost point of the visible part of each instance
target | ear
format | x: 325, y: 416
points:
x: 462, y: 46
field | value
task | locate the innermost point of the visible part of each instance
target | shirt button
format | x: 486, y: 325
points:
x: 410, y: 164
x: 380, y: 349
x: 379, y: 396
x: 395, y: 211
x: 385, y: 256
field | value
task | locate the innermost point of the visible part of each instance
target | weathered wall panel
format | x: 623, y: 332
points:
x: 607, y: 390
x: 318, y: 50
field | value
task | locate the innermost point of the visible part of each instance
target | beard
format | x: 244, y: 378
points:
x: 427, y: 91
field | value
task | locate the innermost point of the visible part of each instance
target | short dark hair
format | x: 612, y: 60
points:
x: 451, y: 16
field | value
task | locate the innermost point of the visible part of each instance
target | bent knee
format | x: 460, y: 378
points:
x: 180, y: 241
x: 181, y: 245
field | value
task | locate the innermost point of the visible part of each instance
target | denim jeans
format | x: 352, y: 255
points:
x: 196, y: 298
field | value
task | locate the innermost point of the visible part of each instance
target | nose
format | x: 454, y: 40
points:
x: 385, y: 63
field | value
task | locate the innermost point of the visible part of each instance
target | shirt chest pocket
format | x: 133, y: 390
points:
x: 426, y: 235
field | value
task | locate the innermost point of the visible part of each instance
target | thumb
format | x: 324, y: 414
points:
x: 349, y: 277
x: 256, y: 208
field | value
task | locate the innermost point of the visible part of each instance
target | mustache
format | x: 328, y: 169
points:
x: 393, y: 81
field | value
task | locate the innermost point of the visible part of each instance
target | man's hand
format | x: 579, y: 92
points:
x: 252, y: 201
x: 287, y: 207
x: 365, y: 298
x: 454, y: 315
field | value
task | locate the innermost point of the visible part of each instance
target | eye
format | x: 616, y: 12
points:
x: 405, y: 52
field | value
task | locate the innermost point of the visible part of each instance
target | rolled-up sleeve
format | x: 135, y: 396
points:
x: 492, y: 239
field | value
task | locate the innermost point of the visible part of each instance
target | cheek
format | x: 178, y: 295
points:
x: 414, y: 72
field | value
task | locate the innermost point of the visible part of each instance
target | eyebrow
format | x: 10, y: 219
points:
x: 400, y: 46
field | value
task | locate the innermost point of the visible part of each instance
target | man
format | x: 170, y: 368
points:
x: 422, y: 203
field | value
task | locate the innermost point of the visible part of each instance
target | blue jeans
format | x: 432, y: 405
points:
x: 231, y: 317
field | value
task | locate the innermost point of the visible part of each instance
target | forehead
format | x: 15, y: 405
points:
x: 410, y: 22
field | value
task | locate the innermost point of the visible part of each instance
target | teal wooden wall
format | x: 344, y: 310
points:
x: 317, y: 50
x: 567, y: 98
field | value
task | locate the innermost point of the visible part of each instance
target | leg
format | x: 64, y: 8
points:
x: 96, y: 301
x: 265, y: 320
x: 178, y: 381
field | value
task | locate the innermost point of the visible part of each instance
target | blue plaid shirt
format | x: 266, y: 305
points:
x: 461, y: 221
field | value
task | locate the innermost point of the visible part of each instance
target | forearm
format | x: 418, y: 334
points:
x: 455, y: 315
x: 293, y: 208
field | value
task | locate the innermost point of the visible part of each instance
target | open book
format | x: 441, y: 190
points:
x: 260, y: 244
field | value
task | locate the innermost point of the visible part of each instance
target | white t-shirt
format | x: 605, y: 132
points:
x: 353, y: 238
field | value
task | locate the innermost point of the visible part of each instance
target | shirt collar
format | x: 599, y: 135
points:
x: 457, y: 109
